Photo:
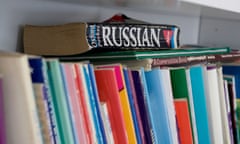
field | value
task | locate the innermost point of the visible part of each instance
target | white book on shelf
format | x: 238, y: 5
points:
x: 213, y: 105
x: 22, y: 123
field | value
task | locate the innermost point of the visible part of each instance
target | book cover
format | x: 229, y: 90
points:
x: 60, y: 101
x: 183, y: 121
x: 182, y: 89
x: 223, y: 108
x: 74, y: 103
x: 124, y: 100
x: 196, y: 80
x: 83, y: 101
x: 2, y: 114
x: 157, y: 106
x: 80, y: 37
x: 142, y: 105
x: 131, y: 103
x: 231, y: 93
x: 45, y: 107
x: 21, y: 116
x: 122, y: 55
x: 95, y: 103
x: 213, y: 104
x: 109, y: 93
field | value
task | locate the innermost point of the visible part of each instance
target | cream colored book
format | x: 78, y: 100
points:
x: 22, y: 123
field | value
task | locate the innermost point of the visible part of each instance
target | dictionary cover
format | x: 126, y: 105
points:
x: 119, y: 32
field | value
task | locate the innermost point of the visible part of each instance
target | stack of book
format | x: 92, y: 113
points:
x: 114, y: 82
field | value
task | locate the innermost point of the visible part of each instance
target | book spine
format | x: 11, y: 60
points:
x: 181, y: 60
x: 154, y: 36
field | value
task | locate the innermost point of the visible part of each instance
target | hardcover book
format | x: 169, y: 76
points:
x: 76, y: 38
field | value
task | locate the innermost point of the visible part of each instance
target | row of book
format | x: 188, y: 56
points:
x: 65, y: 100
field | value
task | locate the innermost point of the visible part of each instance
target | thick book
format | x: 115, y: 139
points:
x: 80, y: 37
x: 21, y: 116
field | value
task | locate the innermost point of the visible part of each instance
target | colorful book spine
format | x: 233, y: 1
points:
x: 60, y: 101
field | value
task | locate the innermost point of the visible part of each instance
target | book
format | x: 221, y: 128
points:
x: 80, y: 37
x: 95, y: 103
x: 130, y: 92
x: 182, y: 89
x: 60, y: 101
x: 20, y: 111
x: 231, y: 93
x: 196, y: 82
x: 109, y: 93
x: 2, y: 114
x: 183, y: 121
x: 82, y: 98
x: 47, y: 115
x: 223, y: 103
x: 127, y: 55
x: 158, y: 106
x: 125, y: 105
x: 213, y: 104
x: 140, y: 97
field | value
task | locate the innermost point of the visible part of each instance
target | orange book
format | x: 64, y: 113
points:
x: 124, y: 101
x: 183, y: 121
x: 108, y: 93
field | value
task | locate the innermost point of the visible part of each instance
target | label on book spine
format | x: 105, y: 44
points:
x: 107, y: 35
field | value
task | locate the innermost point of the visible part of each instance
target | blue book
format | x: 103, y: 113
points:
x: 103, y: 139
x: 200, y: 106
x: 142, y: 104
x: 39, y: 76
x: 94, y: 106
x: 233, y: 70
x: 157, y: 106
x: 131, y: 102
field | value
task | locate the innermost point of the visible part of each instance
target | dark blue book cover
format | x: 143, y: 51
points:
x: 131, y: 102
x: 142, y: 105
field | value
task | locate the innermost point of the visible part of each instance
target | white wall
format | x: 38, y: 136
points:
x: 15, y: 13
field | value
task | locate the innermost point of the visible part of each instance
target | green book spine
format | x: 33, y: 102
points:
x: 60, y: 102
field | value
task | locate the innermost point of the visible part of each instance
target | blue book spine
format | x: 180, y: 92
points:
x: 93, y: 105
x: 200, y: 106
x: 157, y: 106
x: 131, y: 102
x: 97, y: 101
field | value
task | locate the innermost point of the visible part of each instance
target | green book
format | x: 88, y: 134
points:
x: 145, y: 54
x: 181, y: 90
x: 60, y: 101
